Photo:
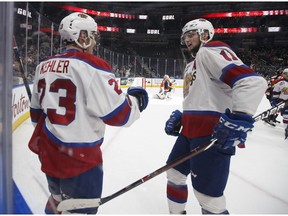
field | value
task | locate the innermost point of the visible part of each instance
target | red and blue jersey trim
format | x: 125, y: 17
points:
x: 62, y: 161
x: 199, y: 123
x: 119, y: 116
x: 232, y: 73
x: 71, y: 144
x: 216, y: 44
x: 90, y: 59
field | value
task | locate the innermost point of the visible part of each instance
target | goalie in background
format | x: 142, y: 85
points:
x: 166, y: 87
x: 280, y: 93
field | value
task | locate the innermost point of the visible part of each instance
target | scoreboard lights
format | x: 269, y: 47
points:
x: 274, y: 29
x: 143, y: 17
x: 130, y: 31
x: 24, y: 12
x: 246, y: 14
x: 153, y: 31
x: 172, y: 17
x: 235, y: 30
x: 168, y: 17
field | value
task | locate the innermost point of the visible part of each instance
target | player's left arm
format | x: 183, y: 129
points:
x: 248, y: 87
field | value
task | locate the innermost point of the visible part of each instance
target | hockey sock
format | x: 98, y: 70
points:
x: 51, y: 206
x: 177, y: 196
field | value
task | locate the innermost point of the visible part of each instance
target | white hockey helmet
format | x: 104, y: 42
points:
x: 200, y: 26
x: 71, y: 26
x: 285, y: 71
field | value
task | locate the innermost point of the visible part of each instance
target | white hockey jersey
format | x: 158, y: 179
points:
x: 74, y: 96
x: 217, y: 79
x: 280, y: 90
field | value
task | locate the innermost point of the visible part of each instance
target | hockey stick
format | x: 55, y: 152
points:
x: 72, y: 204
x: 17, y: 56
x: 266, y: 113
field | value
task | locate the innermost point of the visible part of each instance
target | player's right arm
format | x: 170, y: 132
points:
x: 106, y: 100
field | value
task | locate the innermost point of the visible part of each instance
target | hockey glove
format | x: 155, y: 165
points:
x: 174, y: 123
x: 274, y: 102
x: 231, y: 130
x: 141, y: 95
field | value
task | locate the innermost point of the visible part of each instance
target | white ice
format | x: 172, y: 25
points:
x: 258, y: 182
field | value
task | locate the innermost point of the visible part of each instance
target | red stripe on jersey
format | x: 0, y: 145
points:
x: 233, y: 73
x: 119, y: 116
x: 198, y: 124
x: 60, y: 161
x: 216, y: 44
x: 93, y: 60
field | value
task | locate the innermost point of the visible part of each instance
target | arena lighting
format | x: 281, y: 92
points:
x: 274, y: 29
x: 168, y: 17
x: 156, y: 31
x: 235, y: 30
x: 24, y: 12
x: 143, y: 17
x: 247, y: 14
x: 108, y: 29
x: 153, y: 31
x: 130, y: 31
x: 100, y: 28
x: 97, y: 13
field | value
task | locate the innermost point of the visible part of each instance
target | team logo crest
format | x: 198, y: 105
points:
x: 84, y: 16
x: 285, y: 91
x: 189, y: 78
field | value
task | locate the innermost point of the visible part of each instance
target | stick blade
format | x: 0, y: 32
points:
x: 72, y: 204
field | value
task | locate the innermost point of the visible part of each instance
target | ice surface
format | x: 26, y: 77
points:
x: 257, y: 184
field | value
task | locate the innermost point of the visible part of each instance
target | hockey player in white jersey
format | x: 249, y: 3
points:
x: 280, y: 93
x: 221, y: 94
x: 75, y: 95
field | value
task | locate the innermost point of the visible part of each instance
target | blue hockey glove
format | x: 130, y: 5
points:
x: 141, y: 95
x: 283, y: 111
x: 274, y: 102
x: 231, y: 130
x: 174, y: 123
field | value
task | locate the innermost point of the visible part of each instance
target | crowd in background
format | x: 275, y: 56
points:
x: 264, y: 60
x: 41, y: 40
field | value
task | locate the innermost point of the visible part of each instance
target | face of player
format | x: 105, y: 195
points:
x: 192, y: 41
x: 84, y: 39
x: 285, y: 75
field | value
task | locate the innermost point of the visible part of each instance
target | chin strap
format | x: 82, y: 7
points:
x: 83, y: 46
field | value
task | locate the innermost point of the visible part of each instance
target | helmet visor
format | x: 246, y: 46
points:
x: 188, y: 35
